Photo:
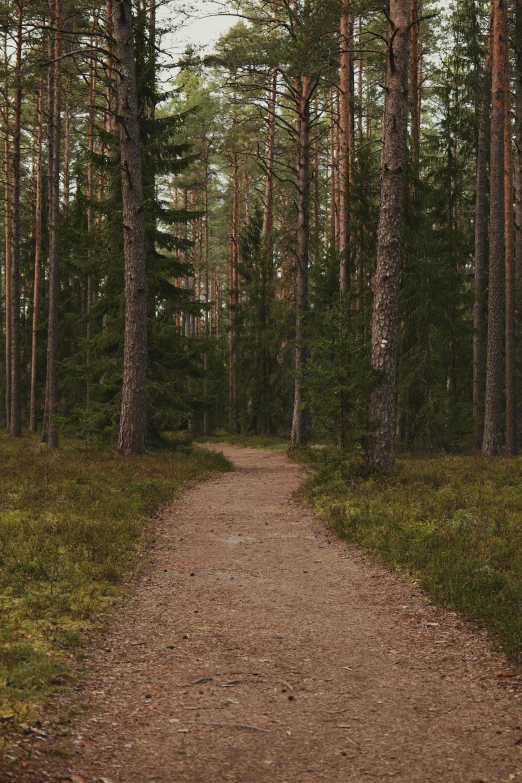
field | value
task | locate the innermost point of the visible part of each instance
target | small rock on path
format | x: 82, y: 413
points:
x: 259, y: 649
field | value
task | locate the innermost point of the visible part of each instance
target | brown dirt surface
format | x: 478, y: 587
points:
x: 256, y: 648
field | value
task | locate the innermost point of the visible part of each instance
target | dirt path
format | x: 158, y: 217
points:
x: 258, y: 650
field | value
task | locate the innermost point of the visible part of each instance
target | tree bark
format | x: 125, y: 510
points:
x: 300, y: 421
x: 50, y: 429
x: 345, y: 150
x: 509, y: 226
x: 8, y: 245
x: 37, y: 260
x: 414, y: 98
x: 479, y: 306
x: 492, y: 442
x: 518, y: 143
x: 15, y: 423
x: 268, y: 213
x: 234, y: 300
x: 133, y: 421
x: 333, y: 178
x: 380, y: 447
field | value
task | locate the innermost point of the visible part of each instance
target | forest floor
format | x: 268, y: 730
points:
x: 256, y: 648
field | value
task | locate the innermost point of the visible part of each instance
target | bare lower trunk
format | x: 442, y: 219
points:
x: 492, y: 442
x: 8, y: 246
x: 333, y: 216
x: 345, y: 148
x: 133, y: 421
x: 206, y: 422
x: 518, y: 147
x: 37, y: 261
x: 50, y: 429
x: 300, y: 421
x: 268, y: 214
x: 380, y: 447
x: 479, y: 307
x: 15, y: 424
x: 509, y: 227
x: 234, y: 301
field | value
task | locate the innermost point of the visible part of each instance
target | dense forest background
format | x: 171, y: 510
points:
x: 270, y: 218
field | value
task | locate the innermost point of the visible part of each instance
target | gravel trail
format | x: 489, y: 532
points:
x: 257, y: 648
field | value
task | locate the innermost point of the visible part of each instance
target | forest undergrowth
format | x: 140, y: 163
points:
x: 270, y: 442
x: 72, y: 536
x: 450, y: 523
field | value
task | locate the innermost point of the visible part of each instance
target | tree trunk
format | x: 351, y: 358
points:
x: 518, y: 143
x: 268, y: 214
x: 509, y: 224
x: 206, y: 422
x: 300, y: 434
x: 492, y: 442
x: 133, y: 421
x: 380, y: 447
x: 345, y: 148
x: 479, y: 307
x: 15, y: 424
x: 333, y: 178
x: 50, y: 429
x: 8, y: 245
x: 37, y: 259
x: 414, y: 98
x: 234, y: 300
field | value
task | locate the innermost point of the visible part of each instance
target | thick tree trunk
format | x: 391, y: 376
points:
x: 300, y: 421
x: 15, y: 423
x: 345, y: 150
x: 133, y: 421
x: 380, y: 447
x: 492, y: 442
x: 50, y: 429
x: 509, y: 224
x: 37, y: 260
x: 479, y: 307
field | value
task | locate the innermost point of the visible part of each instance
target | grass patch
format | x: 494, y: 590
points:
x: 71, y: 539
x: 268, y: 442
x: 453, y: 523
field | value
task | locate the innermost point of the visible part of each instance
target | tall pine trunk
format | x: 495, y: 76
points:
x: 15, y: 423
x: 133, y: 420
x: 492, y: 442
x: 509, y: 223
x: 50, y: 429
x: 380, y: 447
x: 479, y: 305
x: 345, y: 147
x: 37, y: 260
x: 518, y: 144
x: 7, y: 230
x: 300, y: 420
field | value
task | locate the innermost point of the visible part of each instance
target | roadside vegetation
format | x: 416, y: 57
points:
x: 72, y: 536
x: 452, y: 523
x: 270, y: 442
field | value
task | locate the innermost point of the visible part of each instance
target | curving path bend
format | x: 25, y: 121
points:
x: 257, y: 649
